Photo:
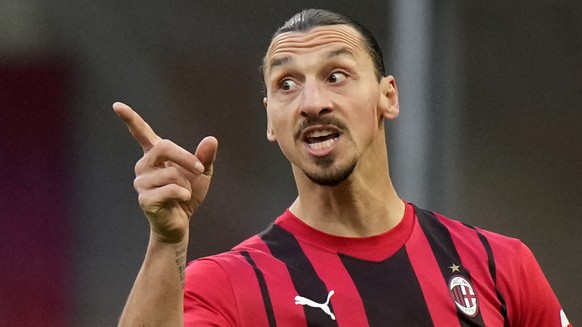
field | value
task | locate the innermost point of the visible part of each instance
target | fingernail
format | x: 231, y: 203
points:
x: 199, y: 167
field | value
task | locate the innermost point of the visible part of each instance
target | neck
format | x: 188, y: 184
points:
x: 365, y: 204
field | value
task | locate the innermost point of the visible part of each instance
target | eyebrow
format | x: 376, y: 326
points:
x: 344, y: 51
x: 340, y: 52
x: 279, y: 62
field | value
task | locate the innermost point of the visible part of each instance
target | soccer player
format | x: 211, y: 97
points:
x: 348, y: 251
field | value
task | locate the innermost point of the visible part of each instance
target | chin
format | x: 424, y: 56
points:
x: 328, y: 175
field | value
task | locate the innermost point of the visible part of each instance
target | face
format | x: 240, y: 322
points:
x: 325, y: 105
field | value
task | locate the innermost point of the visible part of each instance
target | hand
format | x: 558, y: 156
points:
x: 171, y: 181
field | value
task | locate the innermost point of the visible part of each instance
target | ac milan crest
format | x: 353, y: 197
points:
x: 464, y: 296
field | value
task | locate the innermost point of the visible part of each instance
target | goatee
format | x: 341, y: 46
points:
x: 329, y: 175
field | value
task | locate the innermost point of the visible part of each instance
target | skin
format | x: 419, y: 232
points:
x: 326, y: 76
x: 171, y: 183
x: 321, y: 81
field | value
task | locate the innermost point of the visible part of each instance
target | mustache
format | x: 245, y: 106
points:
x: 312, y: 121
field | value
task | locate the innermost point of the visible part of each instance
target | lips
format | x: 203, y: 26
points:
x: 320, y: 138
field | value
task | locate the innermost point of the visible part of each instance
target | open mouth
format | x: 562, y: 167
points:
x: 321, y: 138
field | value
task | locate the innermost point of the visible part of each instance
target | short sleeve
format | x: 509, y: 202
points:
x: 208, y: 296
x: 537, y: 304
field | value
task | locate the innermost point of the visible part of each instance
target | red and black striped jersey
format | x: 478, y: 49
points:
x: 427, y: 271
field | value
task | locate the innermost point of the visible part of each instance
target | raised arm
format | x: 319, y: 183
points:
x: 171, y: 183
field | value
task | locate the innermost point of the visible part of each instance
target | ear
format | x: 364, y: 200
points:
x: 270, y: 133
x: 389, y: 105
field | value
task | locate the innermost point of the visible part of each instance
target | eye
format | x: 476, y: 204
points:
x: 337, y: 77
x: 287, y: 85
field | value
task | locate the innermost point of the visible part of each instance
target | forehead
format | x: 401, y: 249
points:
x: 295, y: 43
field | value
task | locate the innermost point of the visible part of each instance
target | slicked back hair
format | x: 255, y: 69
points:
x: 311, y: 18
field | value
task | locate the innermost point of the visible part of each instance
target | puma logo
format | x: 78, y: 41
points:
x: 323, y: 306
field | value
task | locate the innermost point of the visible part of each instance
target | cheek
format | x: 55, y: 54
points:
x: 275, y: 121
x: 283, y: 132
x: 366, y: 121
x: 280, y: 125
x: 376, y: 115
x: 370, y: 112
x: 370, y: 126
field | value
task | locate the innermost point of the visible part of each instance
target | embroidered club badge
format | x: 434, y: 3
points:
x: 464, y: 296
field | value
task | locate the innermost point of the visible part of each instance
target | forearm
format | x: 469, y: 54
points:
x: 157, y: 296
x: 171, y: 183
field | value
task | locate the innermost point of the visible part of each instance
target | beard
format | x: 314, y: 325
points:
x: 328, y: 175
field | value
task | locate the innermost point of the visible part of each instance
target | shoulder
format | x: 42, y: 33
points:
x: 223, y: 289
x: 220, y: 265
x: 463, y: 232
x: 213, y: 286
x: 508, y: 256
x: 515, y: 272
x: 208, y: 294
x: 225, y: 271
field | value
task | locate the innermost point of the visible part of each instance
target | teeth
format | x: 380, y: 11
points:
x: 319, y: 133
x: 322, y: 145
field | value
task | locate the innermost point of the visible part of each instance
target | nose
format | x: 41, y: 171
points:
x: 314, y: 100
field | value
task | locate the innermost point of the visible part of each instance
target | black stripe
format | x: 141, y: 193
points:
x: 446, y: 254
x: 390, y: 291
x: 285, y: 247
x: 264, y: 290
x: 492, y: 272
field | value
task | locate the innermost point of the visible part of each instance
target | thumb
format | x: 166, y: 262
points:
x: 206, y: 153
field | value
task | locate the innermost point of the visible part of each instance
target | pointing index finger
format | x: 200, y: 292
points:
x: 141, y: 131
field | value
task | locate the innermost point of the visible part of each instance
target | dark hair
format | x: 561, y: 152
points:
x: 311, y: 18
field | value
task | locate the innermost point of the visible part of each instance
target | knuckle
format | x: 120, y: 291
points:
x: 140, y: 165
x: 164, y: 144
x: 158, y: 154
x: 137, y: 183
x: 173, y: 190
x: 172, y: 174
x: 143, y: 200
x: 176, y: 192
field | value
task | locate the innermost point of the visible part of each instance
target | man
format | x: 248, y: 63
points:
x: 348, y: 251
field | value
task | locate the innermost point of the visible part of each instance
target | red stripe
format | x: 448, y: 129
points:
x: 347, y: 304
x: 438, y: 299
x: 280, y: 286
